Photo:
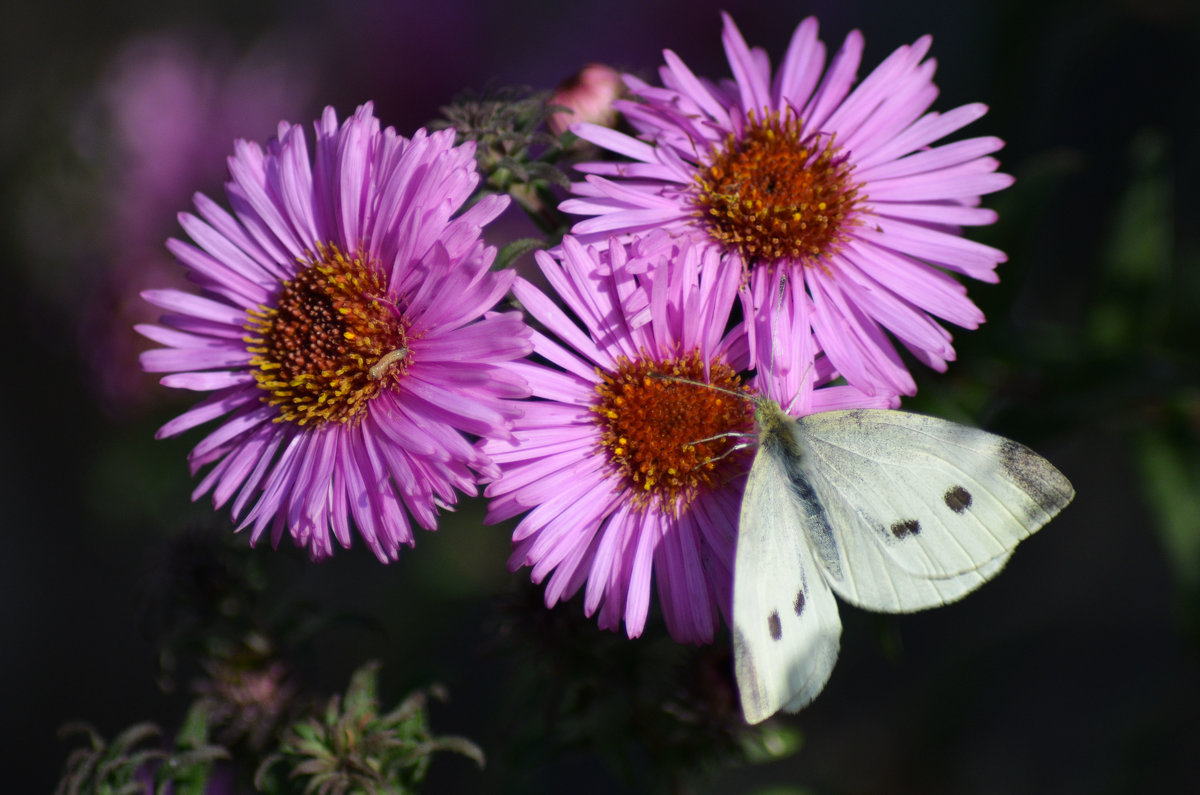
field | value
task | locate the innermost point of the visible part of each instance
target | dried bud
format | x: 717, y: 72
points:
x: 589, y: 94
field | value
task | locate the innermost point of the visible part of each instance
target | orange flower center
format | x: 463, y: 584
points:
x: 775, y: 194
x: 667, y: 439
x: 331, y: 342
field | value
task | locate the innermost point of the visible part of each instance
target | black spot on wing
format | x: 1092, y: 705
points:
x: 799, y: 602
x: 905, y: 528
x: 957, y: 499
x: 773, y: 625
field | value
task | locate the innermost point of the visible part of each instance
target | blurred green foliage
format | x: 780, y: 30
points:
x: 353, y: 750
x: 127, y: 766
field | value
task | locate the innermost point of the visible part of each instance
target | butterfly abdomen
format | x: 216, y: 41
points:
x: 777, y: 440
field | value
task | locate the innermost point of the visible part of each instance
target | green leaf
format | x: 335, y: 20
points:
x: 194, y: 731
x: 361, y: 694
x: 459, y: 745
x: 515, y: 249
x: 1169, y: 465
x: 134, y: 735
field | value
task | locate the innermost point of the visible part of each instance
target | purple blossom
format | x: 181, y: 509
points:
x: 627, y: 474
x: 803, y: 173
x: 344, y: 333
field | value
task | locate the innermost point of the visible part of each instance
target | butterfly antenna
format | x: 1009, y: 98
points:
x: 726, y: 435
x: 783, y: 284
x: 796, y: 398
x: 691, y: 382
x: 732, y: 449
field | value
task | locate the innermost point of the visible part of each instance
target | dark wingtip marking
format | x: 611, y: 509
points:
x: 905, y: 528
x: 774, y: 626
x: 1037, y: 477
x: 957, y: 499
x: 799, y: 602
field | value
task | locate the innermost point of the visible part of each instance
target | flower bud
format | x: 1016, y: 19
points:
x: 589, y: 95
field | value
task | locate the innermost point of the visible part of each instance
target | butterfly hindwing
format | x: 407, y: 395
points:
x: 785, y: 620
x: 923, y: 510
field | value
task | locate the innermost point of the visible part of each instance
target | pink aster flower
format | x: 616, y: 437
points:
x: 802, y: 172
x: 344, y: 332
x: 625, y: 474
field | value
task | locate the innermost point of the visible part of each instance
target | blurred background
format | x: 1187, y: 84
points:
x: 1078, y: 670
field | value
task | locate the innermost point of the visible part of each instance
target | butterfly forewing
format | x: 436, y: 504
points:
x: 785, y: 621
x: 923, y: 510
x: 892, y: 511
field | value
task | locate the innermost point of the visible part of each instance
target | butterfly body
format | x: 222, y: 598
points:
x: 892, y: 511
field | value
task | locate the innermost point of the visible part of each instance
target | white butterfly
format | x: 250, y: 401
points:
x: 893, y: 511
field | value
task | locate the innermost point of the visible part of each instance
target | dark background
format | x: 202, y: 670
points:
x: 1076, y: 671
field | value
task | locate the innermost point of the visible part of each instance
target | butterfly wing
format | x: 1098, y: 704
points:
x: 923, y: 510
x: 786, y: 629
